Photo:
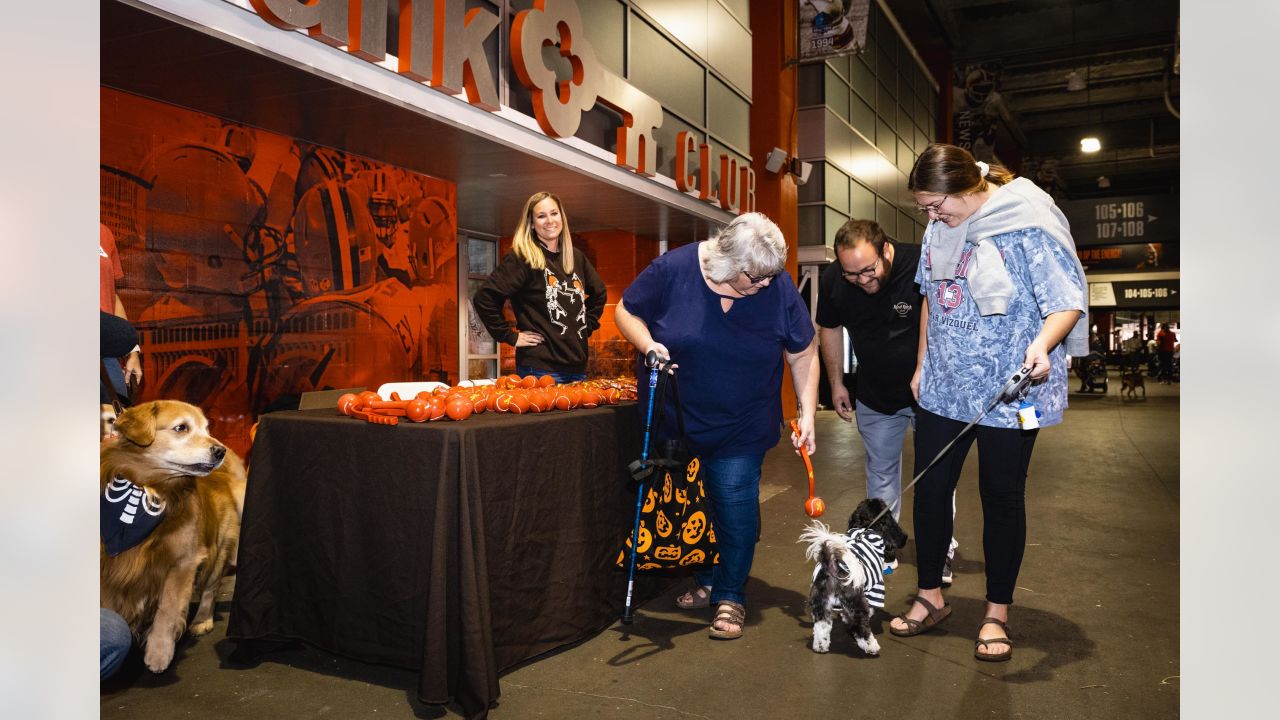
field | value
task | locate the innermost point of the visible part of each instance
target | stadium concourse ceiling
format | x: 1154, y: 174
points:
x: 165, y: 55
x: 1123, y: 54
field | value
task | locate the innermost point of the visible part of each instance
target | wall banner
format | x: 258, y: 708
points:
x: 1148, y: 256
x: 832, y: 27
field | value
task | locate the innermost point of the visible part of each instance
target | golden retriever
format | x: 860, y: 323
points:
x: 195, y: 485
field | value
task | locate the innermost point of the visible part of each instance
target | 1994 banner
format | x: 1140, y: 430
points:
x: 832, y: 27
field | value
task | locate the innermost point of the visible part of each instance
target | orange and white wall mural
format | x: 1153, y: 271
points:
x: 259, y: 266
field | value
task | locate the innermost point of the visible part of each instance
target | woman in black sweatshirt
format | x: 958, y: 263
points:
x: 556, y: 295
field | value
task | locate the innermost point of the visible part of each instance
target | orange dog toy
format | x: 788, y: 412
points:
x: 814, y: 506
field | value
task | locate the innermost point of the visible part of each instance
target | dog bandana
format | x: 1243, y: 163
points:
x: 127, y: 515
x: 868, y: 549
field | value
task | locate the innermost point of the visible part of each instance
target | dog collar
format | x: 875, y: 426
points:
x: 127, y: 515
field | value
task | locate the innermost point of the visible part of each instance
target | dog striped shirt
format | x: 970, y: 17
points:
x: 867, y: 549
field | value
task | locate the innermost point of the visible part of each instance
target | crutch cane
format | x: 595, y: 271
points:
x: 640, y: 469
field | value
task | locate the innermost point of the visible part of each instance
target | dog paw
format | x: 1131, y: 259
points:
x: 202, y: 628
x: 159, y: 654
x: 822, y: 636
x: 868, y: 645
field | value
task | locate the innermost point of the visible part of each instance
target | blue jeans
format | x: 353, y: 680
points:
x: 561, y: 378
x: 115, y: 638
x: 882, y: 438
x: 733, y: 492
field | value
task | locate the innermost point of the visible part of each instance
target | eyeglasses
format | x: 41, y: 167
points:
x: 865, y: 273
x: 935, y: 207
x: 758, y: 279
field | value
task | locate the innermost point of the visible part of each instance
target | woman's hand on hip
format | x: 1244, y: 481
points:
x: 528, y: 339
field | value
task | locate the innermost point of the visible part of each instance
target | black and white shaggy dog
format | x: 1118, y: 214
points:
x: 848, y: 573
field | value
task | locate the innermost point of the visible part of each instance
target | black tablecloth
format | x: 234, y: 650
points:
x: 456, y: 548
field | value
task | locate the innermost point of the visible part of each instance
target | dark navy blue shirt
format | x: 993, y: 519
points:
x: 730, y: 363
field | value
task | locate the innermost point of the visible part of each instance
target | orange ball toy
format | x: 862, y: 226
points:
x: 814, y: 507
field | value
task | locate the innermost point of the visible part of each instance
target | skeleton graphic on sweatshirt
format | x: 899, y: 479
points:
x: 571, y: 293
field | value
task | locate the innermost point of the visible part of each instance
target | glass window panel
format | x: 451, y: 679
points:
x: 905, y: 157
x: 862, y: 202
x: 836, y: 95
x: 835, y: 219
x: 667, y: 73
x: 604, y: 21
x: 482, y: 256
x: 665, y: 138
x: 718, y: 149
x: 884, y: 69
x: 837, y: 187
x: 904, y: 125
x: 863, y: 79
x: 728, y: 46
x: 887, y: 216
x: 840, y: 65
x: 687, y: 21
x: 861, y: 116
x: 886, y: 141
x: 885, y: 105
x: 728, y: 114
x: 907, y: 229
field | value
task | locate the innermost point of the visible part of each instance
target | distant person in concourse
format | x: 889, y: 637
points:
x: 1166, y: 343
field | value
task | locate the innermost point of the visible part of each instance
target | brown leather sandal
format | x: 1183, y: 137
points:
x: 731, y: 612
x: 698, y: 597
x: 994, y: 657
x: 915, y: 627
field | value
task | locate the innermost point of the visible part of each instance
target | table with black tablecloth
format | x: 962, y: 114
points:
x: 457, y: 548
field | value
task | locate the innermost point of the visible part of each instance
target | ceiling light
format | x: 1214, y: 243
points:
x: 1075, y: 81
x: 1090, y: 145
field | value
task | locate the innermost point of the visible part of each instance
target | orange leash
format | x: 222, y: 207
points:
x: 814, y: 506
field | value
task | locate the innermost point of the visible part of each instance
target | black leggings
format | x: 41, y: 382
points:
x: 1003, y: 457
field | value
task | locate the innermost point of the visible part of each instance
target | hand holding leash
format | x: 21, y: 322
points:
x: 814, y: 506
x: 1017, y: 386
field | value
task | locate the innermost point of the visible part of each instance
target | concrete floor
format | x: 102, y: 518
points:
x: 1095, y: 624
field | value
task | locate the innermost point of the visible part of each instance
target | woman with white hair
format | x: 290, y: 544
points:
x: 729, y: 317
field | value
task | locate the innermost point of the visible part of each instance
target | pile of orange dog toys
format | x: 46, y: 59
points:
x: 510, y: 393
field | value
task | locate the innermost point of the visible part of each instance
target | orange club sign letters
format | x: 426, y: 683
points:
x: 441, y: 45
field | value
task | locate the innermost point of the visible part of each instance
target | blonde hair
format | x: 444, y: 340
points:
x: 749, y: 243
x: 525, y: 243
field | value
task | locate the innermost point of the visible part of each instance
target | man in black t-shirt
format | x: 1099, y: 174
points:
x: 870, y: 290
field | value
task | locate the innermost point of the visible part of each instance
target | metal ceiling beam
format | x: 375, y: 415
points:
x: 1066, y: 100
x: 1077, y: 117
x: 1012, y: 81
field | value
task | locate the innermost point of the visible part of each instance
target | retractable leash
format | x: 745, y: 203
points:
x: 640, y: 469
x: 1013, y: 391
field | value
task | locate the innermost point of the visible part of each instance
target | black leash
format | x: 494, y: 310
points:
x: 1015, y: 389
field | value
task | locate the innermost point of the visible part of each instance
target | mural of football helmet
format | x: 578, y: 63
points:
x: 199, y: 208
x: 332, y: 236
